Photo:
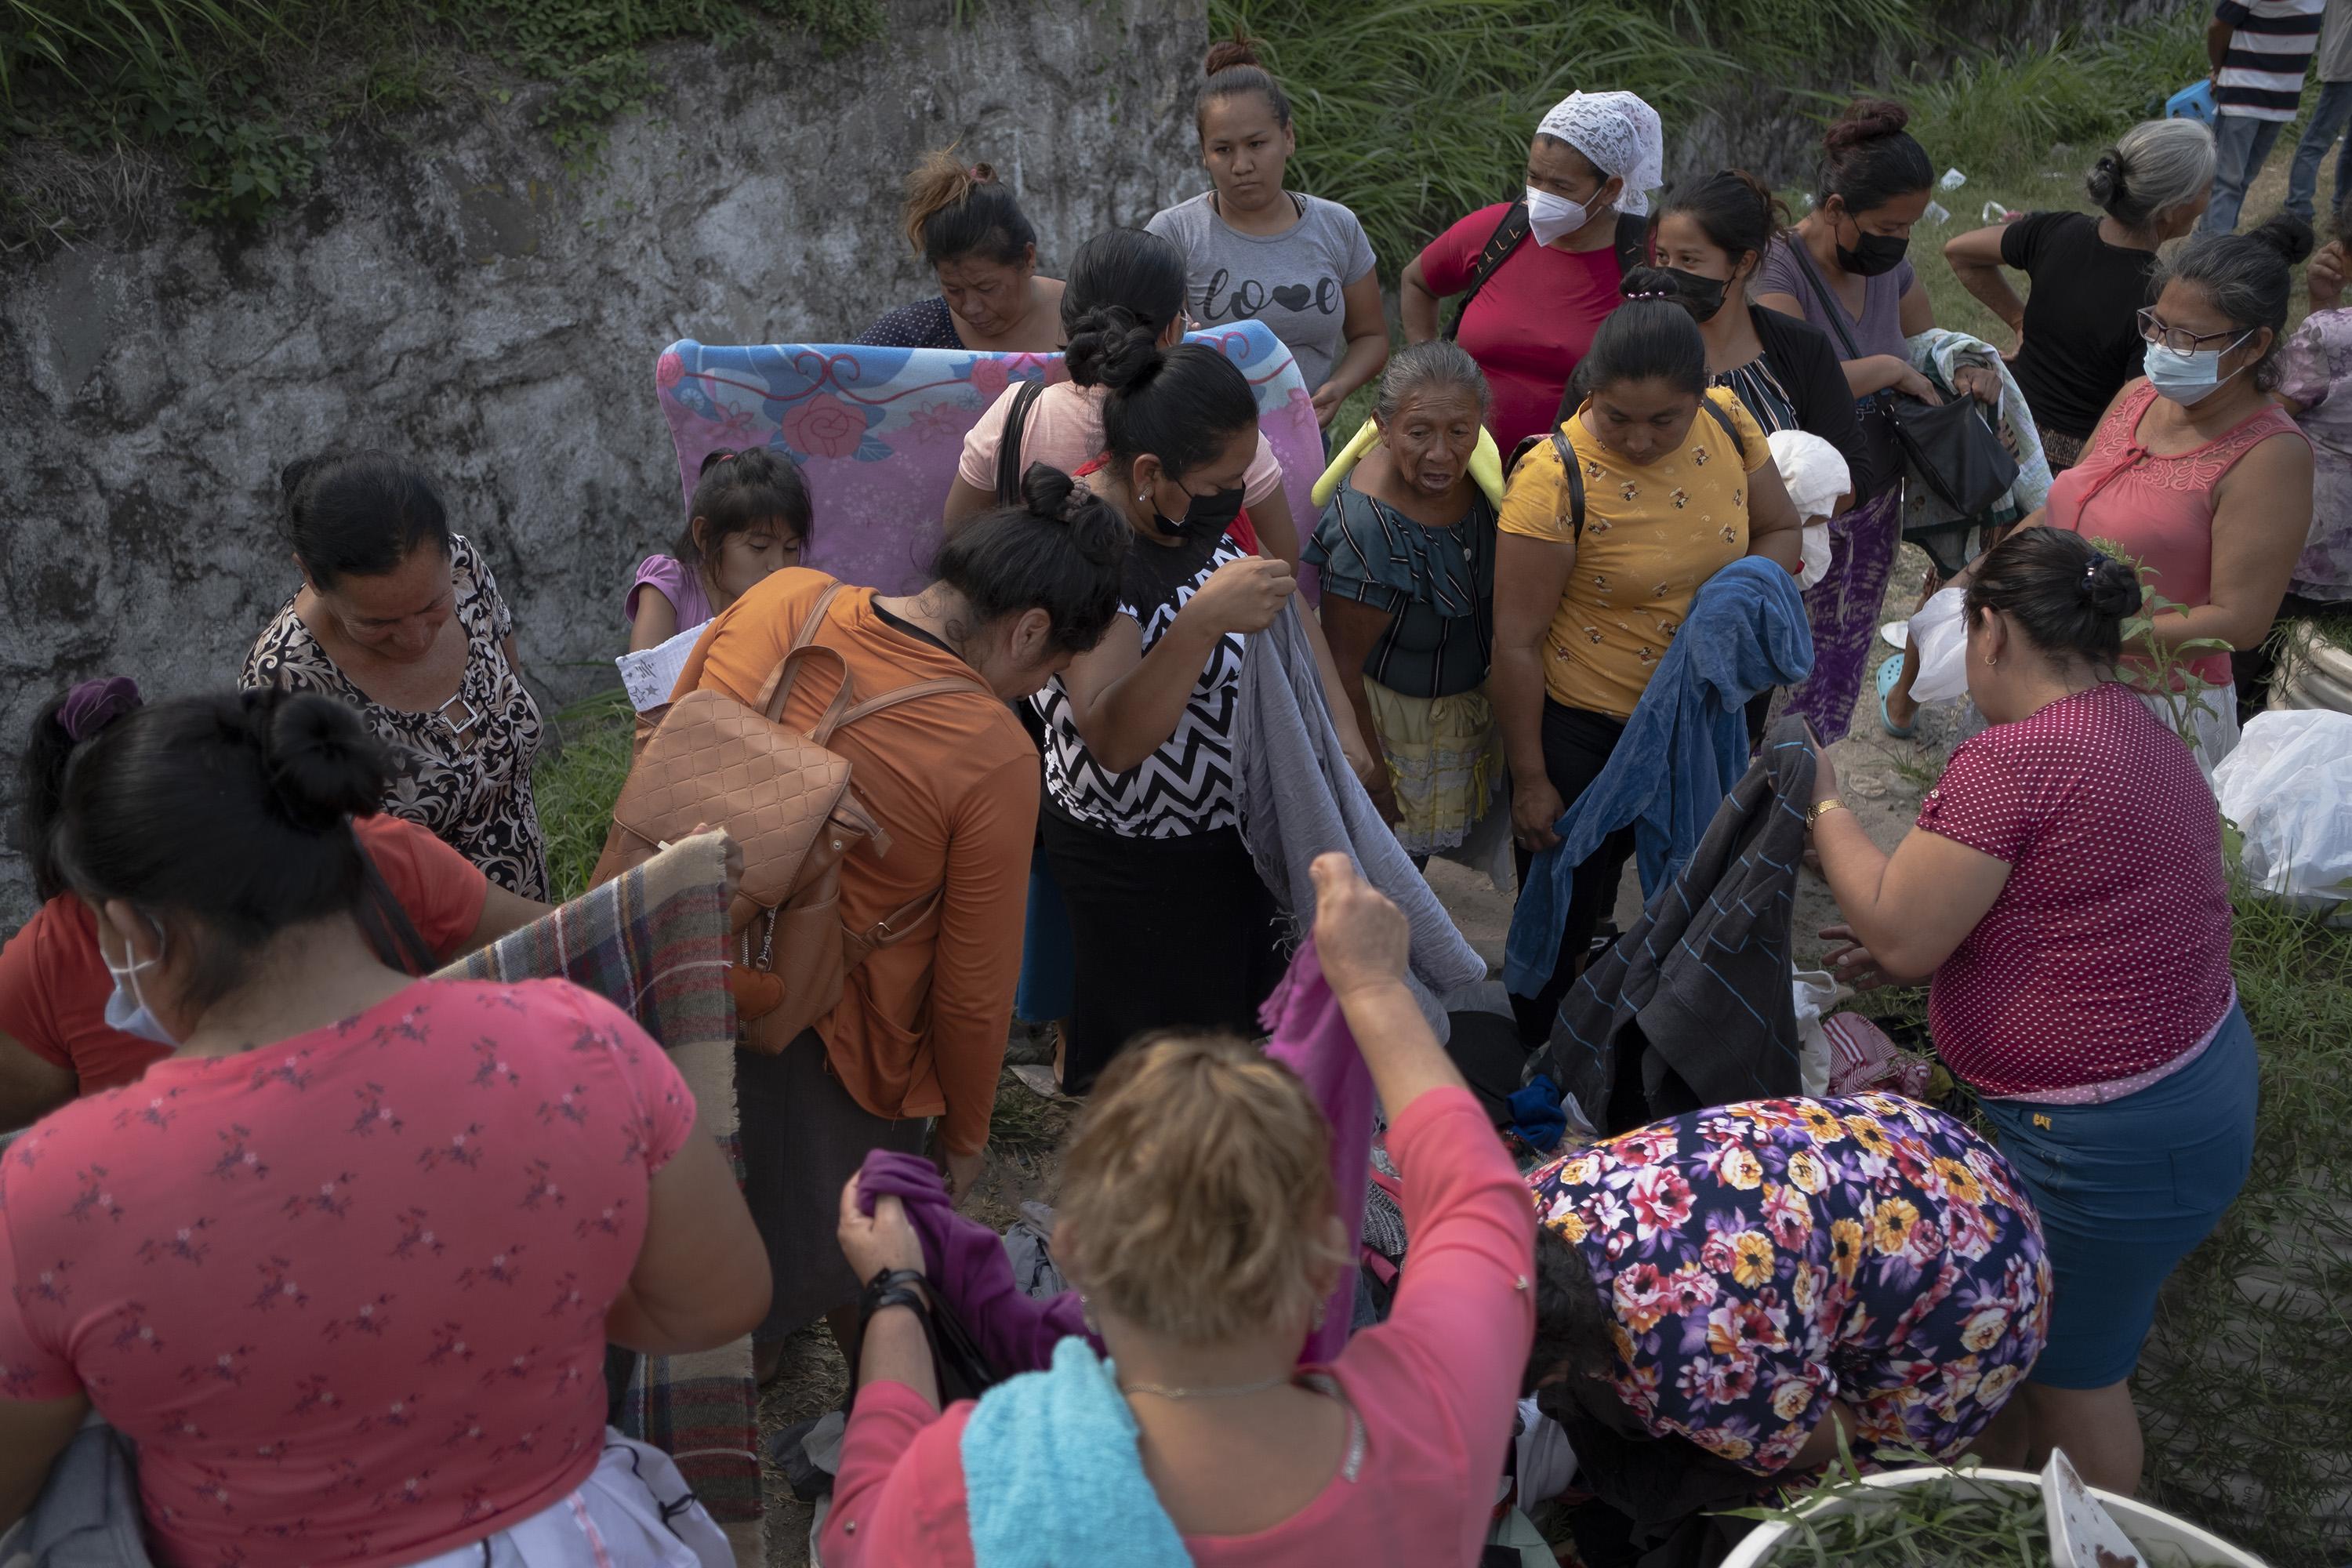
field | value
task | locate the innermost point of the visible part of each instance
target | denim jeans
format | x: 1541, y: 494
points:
x: 2241, y: 142
x: 2328, y: 117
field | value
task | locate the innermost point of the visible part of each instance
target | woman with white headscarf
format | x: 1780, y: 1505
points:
x: 1538, y: 275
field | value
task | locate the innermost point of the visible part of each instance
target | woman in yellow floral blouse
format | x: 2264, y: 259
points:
x: 1596, y: 568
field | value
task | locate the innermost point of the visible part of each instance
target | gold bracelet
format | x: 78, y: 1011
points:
x: 1823, y: 808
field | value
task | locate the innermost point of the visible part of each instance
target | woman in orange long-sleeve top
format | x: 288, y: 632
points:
x: 952, y: 778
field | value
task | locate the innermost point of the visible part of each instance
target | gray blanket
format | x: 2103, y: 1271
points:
x: 1298, y: 798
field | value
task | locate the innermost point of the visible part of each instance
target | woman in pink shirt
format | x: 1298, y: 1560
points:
x: 343, y: 1266
x: 2066, y: 887
x: 1062, y: 424
x: 1197, y: 1218
x: 2196, y: 473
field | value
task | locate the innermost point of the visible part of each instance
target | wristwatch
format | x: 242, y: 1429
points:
x: 1823, y: 808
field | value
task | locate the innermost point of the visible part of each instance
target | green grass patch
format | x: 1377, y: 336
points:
x: 576, y: 782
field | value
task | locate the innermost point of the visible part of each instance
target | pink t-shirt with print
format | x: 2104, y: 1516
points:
x: 346, y: 1292
x: 1065, y: 430
x: 2107, y: 952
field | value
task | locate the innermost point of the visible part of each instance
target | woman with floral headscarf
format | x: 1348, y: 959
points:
x: 1538, y: 275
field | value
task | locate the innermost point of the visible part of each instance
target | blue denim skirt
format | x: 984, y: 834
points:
x: 2125, y: 1190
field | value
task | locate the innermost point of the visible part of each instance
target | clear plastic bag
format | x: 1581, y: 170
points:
x: 2288, y: 787
x: 1940, y: 632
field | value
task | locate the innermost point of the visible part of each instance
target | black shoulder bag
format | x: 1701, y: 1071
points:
x: 397, y: 942
x: 1008, y: 447
x: 1951, y: 447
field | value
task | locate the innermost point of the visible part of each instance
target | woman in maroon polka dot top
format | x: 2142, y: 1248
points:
x: 2064, y: 887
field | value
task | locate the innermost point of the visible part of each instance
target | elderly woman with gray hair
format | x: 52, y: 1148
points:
x: 1406, y: 550
x: 2078, y: 338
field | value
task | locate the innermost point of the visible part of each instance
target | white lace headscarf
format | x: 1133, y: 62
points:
x: 1618, y: 134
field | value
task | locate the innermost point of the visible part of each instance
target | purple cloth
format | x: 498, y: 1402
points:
x: 965, y: 1261
x: 1842, y: 610
x: 94, y: 704
x: 1312, y: 1039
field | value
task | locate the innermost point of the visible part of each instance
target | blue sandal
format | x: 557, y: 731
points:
x: 1890, y: 675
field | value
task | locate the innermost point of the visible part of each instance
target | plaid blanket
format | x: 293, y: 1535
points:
x: 654, y: 941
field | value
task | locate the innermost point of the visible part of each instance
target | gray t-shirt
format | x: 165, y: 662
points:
x: 2336, y: 42
x: 1292, y: 281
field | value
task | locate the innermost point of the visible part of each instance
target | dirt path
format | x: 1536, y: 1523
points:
x: 1882, y: 779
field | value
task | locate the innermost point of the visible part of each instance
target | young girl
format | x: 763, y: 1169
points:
x: 751, y: 517
x: 1252, y: 248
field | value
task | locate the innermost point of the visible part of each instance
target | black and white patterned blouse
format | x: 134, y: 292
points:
x: 462, y: 772
x: 1187, y: 785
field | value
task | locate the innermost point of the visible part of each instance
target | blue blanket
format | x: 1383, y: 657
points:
x: 1682, y: 750
x: 1053, y: 1477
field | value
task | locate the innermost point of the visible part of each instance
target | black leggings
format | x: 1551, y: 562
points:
x: 1164, y: 932
x: 1576, y: 746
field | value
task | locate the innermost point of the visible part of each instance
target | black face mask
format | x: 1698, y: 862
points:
x: 1704, y: 295
x: 1207, y: 517
x: 1873, y: 253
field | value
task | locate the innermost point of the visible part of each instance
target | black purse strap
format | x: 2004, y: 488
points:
x: 1568, y: 467
x: 1831, y: 305
x: 1504, y: 239
x: 1009, y: 467
x: 393, y: 937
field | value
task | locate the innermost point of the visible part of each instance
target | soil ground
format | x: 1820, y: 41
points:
x: 1882, y: 779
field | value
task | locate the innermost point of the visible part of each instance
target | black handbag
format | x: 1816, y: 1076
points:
x: 1951, y: 446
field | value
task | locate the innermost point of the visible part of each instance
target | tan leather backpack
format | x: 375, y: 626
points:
x: 787, y: 800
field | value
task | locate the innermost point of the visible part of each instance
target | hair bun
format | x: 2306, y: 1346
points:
x: 1045, y: 492
x: 1866, y: 119
x: 1227, y: 53
x: 1111, y: 347
x: 2286, y: 234
x: 321, y: 763
x: 290, y: 477
x: 2111, y: 588
x: 2106, y: 181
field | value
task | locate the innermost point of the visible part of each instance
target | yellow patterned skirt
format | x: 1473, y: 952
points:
x: 1445, y: 756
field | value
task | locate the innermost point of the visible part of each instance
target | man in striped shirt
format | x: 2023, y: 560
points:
x: 2260, y: 50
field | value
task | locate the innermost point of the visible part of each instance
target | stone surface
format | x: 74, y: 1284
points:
x: 457, y: 294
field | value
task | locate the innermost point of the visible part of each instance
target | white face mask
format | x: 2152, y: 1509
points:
x: 127, y: 1011
x: 1550, y: 217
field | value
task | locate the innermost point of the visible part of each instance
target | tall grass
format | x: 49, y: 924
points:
x: 576, y: 783
x: 66, y: 34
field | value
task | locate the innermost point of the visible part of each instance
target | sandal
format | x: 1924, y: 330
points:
x: 1890, y: 675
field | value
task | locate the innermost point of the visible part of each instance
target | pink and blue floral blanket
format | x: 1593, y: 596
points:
x: 879, y: 431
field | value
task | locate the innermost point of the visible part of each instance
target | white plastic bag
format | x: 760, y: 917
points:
x: 2288, y: 786
x: 1816, y: 992
x: 1940, y: 632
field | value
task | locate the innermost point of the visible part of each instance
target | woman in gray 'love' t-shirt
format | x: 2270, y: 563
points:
x: 1253, y: 251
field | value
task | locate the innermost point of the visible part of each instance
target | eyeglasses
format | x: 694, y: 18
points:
x: 2181, y: 339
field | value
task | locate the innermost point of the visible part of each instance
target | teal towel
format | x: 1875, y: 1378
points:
x: 1053, y: 1477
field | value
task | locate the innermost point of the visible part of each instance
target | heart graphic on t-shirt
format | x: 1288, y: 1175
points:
x: 1293, y: 296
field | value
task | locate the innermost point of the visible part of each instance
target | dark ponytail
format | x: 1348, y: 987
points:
x: 1869, y: 160
x: 955, y: 211
x: 735, y: 491
x: 227, y: 816
x: 359, y: 515
x: 2069, y: 597
x: 1181, y: 405
x: 1059, y: 550
x: 1233, y: 66
x: 1128, y: 268
x: 73, y: 717
x: 1650, y: 337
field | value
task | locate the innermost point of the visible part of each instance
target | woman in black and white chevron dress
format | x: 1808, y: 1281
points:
x: 1170, y: 925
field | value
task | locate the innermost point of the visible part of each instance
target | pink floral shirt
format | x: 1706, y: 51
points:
x: 346, y: 1292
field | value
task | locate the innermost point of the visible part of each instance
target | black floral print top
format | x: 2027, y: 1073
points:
x: 464, y: 770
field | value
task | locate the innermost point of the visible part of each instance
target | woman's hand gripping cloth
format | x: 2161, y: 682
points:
x: 1685, y: 747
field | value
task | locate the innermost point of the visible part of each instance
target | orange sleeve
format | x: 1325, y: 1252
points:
x: 25, y: 1012
x: 440, y: 891
x: 977, y: 963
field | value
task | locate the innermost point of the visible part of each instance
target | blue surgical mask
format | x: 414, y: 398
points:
x: 2190, y: 378
x: 126, y: 1009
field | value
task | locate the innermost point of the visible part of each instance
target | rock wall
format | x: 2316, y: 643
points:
x: 456, y: 293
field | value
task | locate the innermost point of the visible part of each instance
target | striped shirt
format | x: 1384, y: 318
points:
x: 2270, y: 44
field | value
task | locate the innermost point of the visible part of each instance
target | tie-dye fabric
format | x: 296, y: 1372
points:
x: 879, y: 431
